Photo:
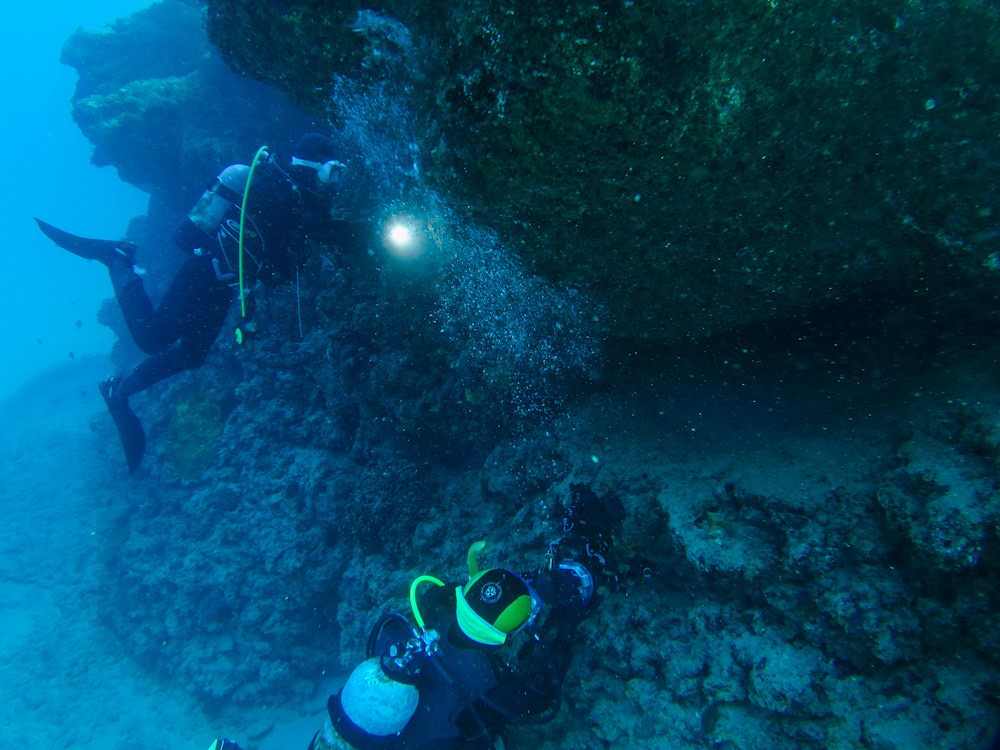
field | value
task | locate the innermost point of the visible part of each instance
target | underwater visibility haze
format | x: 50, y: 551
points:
x: 53, y: 318
x: 701, y: 296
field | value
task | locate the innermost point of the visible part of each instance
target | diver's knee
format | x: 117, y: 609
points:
x: 149, y: 340
x: 191, y: 358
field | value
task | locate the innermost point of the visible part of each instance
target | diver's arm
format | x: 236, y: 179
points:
x: 535, y: 689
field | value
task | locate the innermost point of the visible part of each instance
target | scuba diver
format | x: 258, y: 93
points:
x: 441, y: 681
x: 252, y: 223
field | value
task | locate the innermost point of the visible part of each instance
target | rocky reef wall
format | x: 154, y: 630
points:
x: 162, y: 107
x: 810, y: 551
x: 695, y: 166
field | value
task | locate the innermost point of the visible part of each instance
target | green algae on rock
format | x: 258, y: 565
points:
x: 161, y: 106
x: 196, y: 423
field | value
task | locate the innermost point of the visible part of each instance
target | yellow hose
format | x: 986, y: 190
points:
x: 413, y: 596
x: 243, y: 212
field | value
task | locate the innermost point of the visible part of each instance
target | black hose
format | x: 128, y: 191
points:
x: 378, y: 627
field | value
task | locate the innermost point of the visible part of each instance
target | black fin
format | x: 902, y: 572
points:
x: 102, y: 250
x: 129, y: 428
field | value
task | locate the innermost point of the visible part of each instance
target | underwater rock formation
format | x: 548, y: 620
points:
x: 349, y: 448
x: 695, y: 166
x: 809, y: 556
x: 162, y: 108
x: 766, y: 585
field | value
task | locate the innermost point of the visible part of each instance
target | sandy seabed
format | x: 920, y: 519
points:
x: 65, y: 679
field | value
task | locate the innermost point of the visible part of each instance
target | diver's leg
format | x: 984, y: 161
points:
x: 154, y: 329
x: 119, y: 257
x: 194, y: 292
x: 197, y: 324
x: 116, y: 391
x: 137, y: 309
x: 193, y: 316
x: 129, y: 427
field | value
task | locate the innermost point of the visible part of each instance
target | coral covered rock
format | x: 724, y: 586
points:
x: 696, y: 166
x: 162, y: 108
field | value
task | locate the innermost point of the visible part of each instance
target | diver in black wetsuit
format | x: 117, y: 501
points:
x: 450, y: 686
x: 442, y: 681
x: 287, y: 203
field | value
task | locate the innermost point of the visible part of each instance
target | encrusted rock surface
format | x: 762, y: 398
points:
x: 163, y: 108
x: 810, y: 551
x: 696, y: 166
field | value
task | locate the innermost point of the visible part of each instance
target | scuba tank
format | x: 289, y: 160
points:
x: 219, y: 229
x: 381, y: 696
x: 390, y: 677
x: 215, y: 228
x: 376, y: 702
x: 224, y: 194
x: 406, y: 664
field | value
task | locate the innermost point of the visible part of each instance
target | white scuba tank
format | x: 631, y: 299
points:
x: 225, y: 192
x: 375, y: 702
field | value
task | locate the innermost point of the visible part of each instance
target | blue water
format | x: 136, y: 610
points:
x: 45, y: 291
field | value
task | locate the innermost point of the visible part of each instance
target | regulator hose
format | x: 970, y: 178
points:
x: 260, y: 155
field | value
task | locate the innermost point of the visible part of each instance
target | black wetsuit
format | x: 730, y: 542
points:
x: 470, y: 693
x: 180, y: 331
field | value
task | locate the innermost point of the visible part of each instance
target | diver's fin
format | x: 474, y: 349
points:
x: 129, y: 427
x: 105, y: 251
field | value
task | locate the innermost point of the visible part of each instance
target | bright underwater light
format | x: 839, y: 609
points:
x: 400, y: 235
x: 403, y: 238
